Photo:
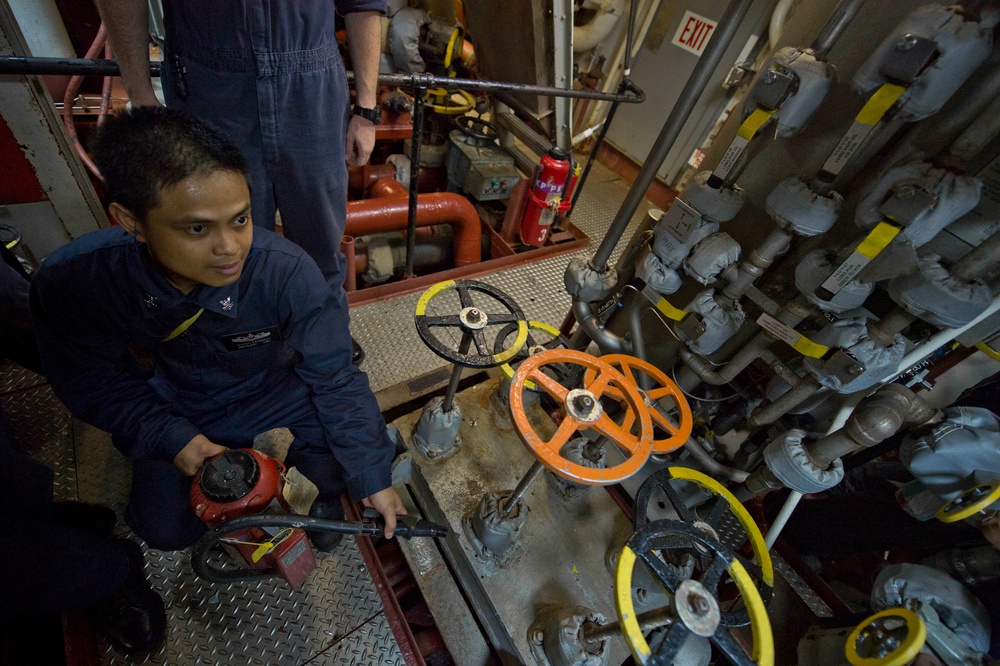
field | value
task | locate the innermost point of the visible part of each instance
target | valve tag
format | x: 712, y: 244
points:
x: 262, y: 550
x: 791, y: 337
x: 869, y: 116
x: 748, y: 130
x: 869, y: 248
x: 662, y: 304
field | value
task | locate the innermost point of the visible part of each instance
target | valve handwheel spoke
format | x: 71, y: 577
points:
x: 676, y: 427
x: 760, y: 568
x: 470, y: 324
x: 583, y: 411
x: 694, y: 602
x: 556, y: 340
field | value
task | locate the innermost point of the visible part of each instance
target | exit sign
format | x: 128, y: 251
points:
x: 693, y: 32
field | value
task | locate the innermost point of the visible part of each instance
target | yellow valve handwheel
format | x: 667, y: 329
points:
x: 970, y: 502
x: 663, y: 535
x: 907, y: 631
x: 556, y: 340
x: 761, y: 568
x: 677, y: 428
x: 470, y: 324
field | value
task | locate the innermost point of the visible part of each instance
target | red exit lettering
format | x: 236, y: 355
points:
x: 694, y: 32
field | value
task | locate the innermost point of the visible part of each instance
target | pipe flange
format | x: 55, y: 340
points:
x: 793, y: 206
x: 588, y: 284
x: 787, y: 459
x: 715, y: 205
x: 436, y: 434
x: 812, y: 272
x: 556, y: 637
x: 937, y: 297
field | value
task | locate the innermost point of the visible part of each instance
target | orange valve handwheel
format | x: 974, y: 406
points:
x: 583, y: 412
x: 676, y: 426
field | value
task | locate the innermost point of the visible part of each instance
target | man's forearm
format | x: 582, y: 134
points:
x: 127, y: 23
x: 364, y: 40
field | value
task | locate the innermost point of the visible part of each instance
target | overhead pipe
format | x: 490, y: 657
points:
x: 372, y: 216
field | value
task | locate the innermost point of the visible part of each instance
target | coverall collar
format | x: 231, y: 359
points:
x: 154, y: 291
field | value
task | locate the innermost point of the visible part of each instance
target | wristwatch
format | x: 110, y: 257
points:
x: 374, y: 115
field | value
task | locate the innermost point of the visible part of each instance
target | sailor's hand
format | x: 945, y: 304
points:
x: 195, y: 453
x: 387, y: 503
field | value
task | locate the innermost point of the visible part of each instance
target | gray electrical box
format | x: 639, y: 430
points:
x: 480, y: 168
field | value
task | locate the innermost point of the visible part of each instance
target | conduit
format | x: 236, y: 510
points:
x: 389, y: 213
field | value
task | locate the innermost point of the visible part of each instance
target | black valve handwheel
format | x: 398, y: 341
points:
x: 694, y: 601
x: 469, y: 124
x: 472, y: 321
x: 566, y: 375
x: 710, y: 520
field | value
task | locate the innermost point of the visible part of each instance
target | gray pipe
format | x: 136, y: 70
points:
x: 605, y: 339
x: 788, y: 401
x: 760, y: 259
x: 835, y: 27
x: 713, y: 466
x: 638, y: 343
x: 981, y: 260
x: 693, y: 89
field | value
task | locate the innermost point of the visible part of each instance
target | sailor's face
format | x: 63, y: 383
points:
x: 200, y: 233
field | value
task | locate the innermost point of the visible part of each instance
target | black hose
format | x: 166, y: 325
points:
x: 406, y: 527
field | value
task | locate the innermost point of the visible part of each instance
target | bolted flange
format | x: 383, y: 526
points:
x: 581, y: 451
x: 556, y: 637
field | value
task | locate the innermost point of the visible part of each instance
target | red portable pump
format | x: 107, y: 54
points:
x: 244, y: 482
x: 548, y: 197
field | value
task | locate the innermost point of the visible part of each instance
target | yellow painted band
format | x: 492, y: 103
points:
x: 510, y: 352
x: 916, y: 635
x: 431, y: 292
x: 989, y: 351
x: 760, y: 623
x: 184, y: 325
x: 10, y: 245
x: 508, y: 369
x: 626, y: 608
x: 876, y: 106
x: 757, y: 542
x: 754, y: 122
x: 807, y: 347
x: 877, y: 239
x: 946, y: 516
x: 668, y: 310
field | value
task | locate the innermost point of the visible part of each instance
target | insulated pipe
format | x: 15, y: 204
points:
x: 372, y: 216
x: 592, y: 33
x: 834, y: 28
x: 979, y: 261
x: 693, y: 89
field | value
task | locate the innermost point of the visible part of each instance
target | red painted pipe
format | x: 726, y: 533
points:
x: 373, y: 216
x: 387, y: 187
x: 362, y: 177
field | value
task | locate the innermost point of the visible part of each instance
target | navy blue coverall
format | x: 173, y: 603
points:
x: 269, y: 75
x: 271, y: 350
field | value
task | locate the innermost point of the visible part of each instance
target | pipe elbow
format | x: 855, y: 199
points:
x: 605, y: 339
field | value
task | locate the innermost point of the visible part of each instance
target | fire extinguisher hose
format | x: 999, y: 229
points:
x: 407, y: 527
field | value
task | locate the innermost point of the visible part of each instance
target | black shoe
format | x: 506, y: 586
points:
x: 357, y: 353
x: 334, y: 510
x: 94, y: 518
x: 134, y: 620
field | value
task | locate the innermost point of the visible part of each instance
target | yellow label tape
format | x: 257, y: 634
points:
x: 878, y: 239
x: 754, y: 122
x: 791, y: 337
x: 877, y: 105
x: 662, y: 304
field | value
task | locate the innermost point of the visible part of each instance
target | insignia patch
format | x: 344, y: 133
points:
x: 226, y: 303
x: 150, y: 301
x: 250, y: 339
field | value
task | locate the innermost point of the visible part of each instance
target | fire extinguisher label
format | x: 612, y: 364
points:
x: 549, y: 187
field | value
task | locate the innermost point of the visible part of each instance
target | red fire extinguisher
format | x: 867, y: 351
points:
x: 245, y: 482
x: 551, y: 185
